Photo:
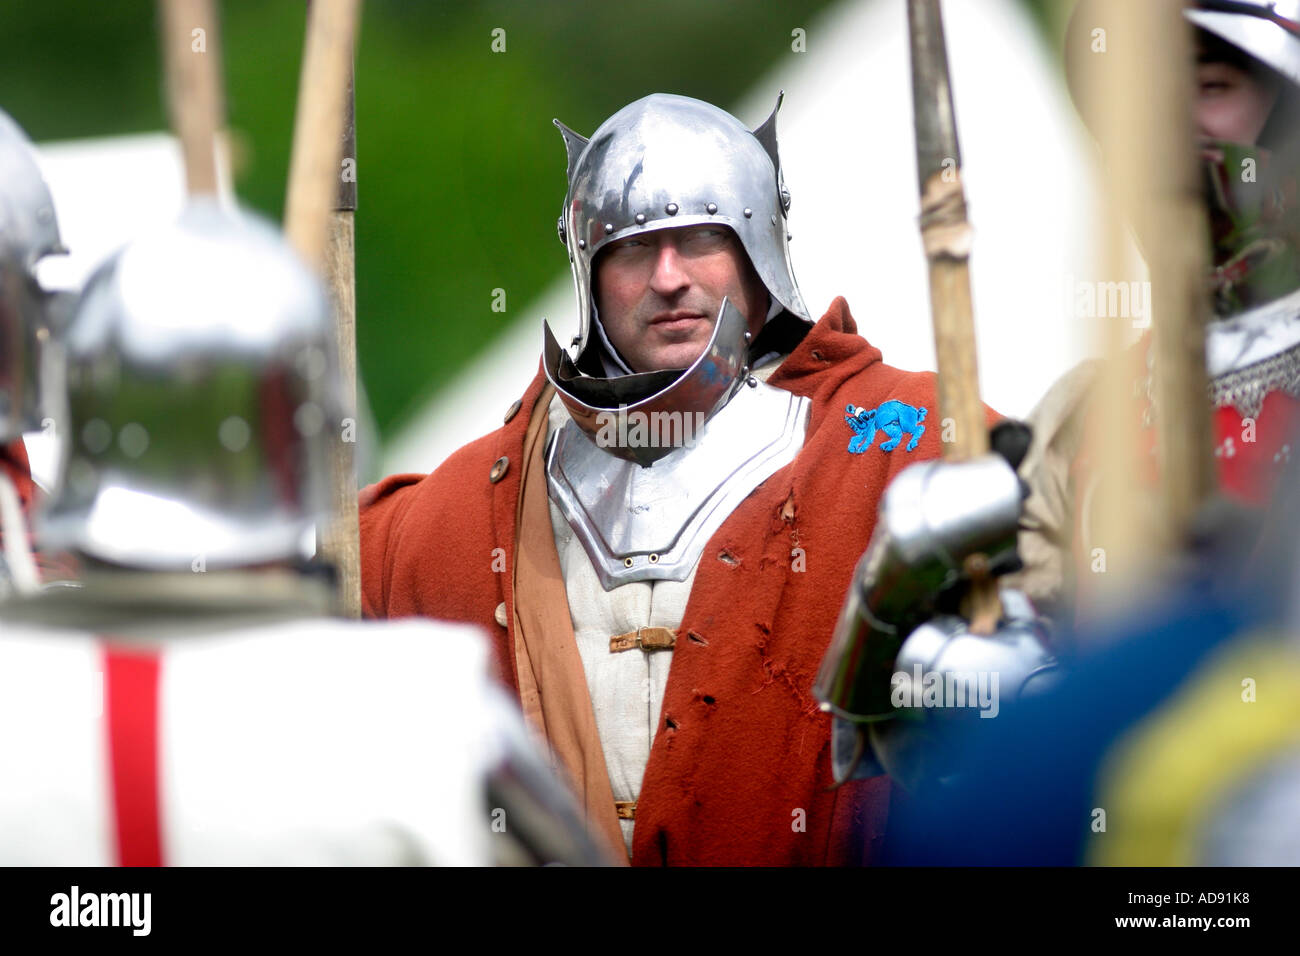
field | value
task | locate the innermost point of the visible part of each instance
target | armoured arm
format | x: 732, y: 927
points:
x: 899, y: 636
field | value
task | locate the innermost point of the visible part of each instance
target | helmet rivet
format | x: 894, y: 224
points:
x: 627, y: 562
x: 609, y: 228
x: 774, y: 219
x: 748, y: 212
x: 582, y: 243
x: 654, y: 559
x: 788, y: 237
x: 559, y: 226
x: 712, y: 208
x: 671, y: 209
x: 640, y: 219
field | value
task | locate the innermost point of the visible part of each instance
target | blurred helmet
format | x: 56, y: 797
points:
x: 27, y: 223
x: 203, y: 394
x: 1255, y: 225
x: 667, y: 161
x: 22, y: 330
x: 1266, y: 30
x: 28, y: 232
x: 1254, y: 222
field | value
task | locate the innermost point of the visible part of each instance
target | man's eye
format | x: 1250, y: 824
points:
x: 1215, y: 79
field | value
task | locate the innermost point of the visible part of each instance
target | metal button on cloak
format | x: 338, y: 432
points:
x: 499, y: 468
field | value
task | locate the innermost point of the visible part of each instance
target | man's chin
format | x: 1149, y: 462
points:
x: 676, y: 347
x: 675, y: 356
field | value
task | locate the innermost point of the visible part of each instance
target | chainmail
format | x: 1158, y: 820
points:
x: 1245, y: 388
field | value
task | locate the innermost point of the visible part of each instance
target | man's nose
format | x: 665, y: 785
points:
x: 669, y: 276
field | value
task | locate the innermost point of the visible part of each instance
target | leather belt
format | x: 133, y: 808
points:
x: 626, y: 809
x: 646, y: 638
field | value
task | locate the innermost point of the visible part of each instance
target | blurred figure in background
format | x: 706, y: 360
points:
x: 1174, y: 738
x: 192, y: 703
x: 1247, y: 114
x: 29, y: 231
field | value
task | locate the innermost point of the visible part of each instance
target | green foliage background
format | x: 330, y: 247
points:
x: 460, y: 172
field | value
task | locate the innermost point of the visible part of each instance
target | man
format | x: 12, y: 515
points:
x: 1247, y: 104
x: 28, y: 233
x: 662, y: 534
x: 191, y: 702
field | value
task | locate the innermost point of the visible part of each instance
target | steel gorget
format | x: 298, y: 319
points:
x: 609, y: 409
x: 651, y: 523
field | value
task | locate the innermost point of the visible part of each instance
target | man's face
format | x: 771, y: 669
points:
x: 1233, y: 100
x: 659, y: 293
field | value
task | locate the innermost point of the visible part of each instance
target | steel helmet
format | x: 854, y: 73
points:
x: 666, y: 161
x: 28, y: 232
x: 202, y: 395
x: 1267, y: 30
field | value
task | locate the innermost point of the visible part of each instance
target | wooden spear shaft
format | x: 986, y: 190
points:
x: 323, y: 235
x: 315, y: 167
x: 192, y: 67
x: 946, y: 236
x: 945, y: 233
x: 1121, y: 544
x: 342, y: 544
x: 1139, y: 94
x: 1177, y: 260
